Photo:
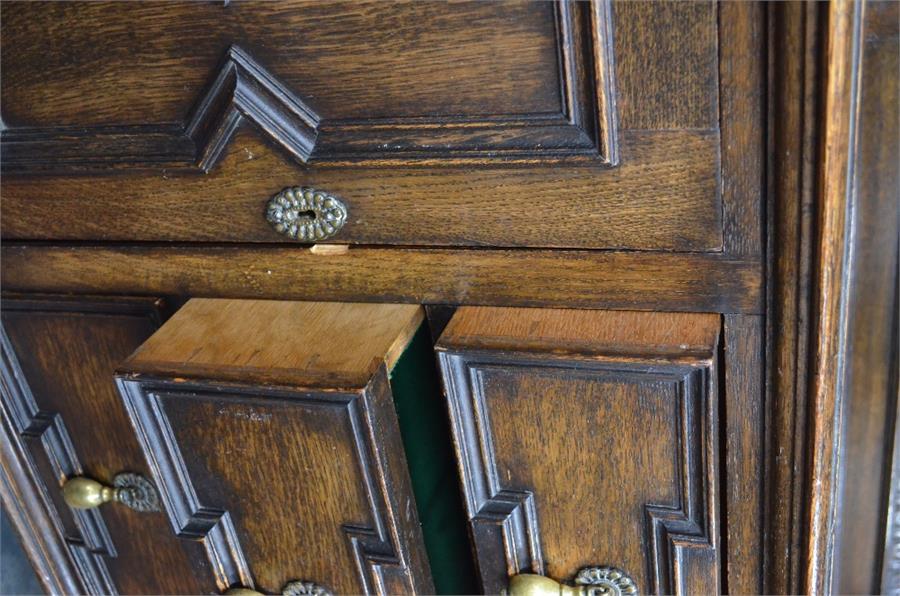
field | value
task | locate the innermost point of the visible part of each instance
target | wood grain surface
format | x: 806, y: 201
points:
x: 583, y: 279
x: 560, y: 330
x: 866, y: 562
x: 359, y: 60
x: 679, y: 43
x: 93, y: 64
x: 663, y: 196
x: 279, y: 342
x: 796, y: 32
x: 742, y: 66
x: 743, y: 487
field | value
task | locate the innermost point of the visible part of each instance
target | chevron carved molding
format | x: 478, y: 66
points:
x: 242, y: 92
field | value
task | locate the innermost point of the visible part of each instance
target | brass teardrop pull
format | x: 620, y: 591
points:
x: 132, y: 490
x: 590, y: 581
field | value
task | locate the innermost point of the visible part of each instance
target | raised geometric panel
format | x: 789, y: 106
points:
x: 582, y: 126
x: 586, y: 453
x: 249, y: 472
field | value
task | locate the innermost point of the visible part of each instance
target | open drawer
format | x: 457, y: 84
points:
x: 588, y: 445
x: 271, y: 433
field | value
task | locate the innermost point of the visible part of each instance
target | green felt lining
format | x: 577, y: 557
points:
x: 425, y: 430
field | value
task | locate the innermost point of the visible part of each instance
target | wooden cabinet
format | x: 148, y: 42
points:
x: 588, y: 439
x: 631, y: 226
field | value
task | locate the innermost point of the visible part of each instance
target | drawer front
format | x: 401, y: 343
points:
x: 588, y: 443
x: 561, y: 124
x: 61, y: 407
x: 271, y: 432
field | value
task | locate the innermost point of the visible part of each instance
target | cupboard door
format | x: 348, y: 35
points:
x: 62, y: 417
x: 271, y: 433
x: 587, y: 439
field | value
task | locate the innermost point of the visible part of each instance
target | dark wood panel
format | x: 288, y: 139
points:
x: 744, y: 457
x: 368, y: 60
x: 624, y: 475
x: 272, y: 435
x: 60, y: 568
x: 742, y: 28
x: 358, y: 60
x: 73, y: 423
x: 663, y: 196
x: 578, y: 279
x: 678, y: 43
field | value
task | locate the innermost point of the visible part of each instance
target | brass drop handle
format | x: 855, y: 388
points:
x: 590, y: 581
x: 529, y: 584
x: 132, y: 490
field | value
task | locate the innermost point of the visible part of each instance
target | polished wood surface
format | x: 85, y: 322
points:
x: 832, y: 324
x: 454, y: 73
x: 156, y: 76
x: 742, y: 31
x: 72, y: 422
x: 867, y: 563
x: 572, y: 67
x: 625, y: 474
x: 445, y: 69
x: 678, y: 157
x: 663, y: 196
x: 583, y: 279
x: 671, y: 202
x: 271, y: 432
x: 744, y: 489
x: 840, y: 135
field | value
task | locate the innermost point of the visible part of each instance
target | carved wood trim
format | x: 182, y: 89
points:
x: 243, y: 91
x: 240, y: 91
x: 504, y: 520
x: 210, y: 526
x: 834, y: 263
x: 796, y: 73
x: 376, y: 549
